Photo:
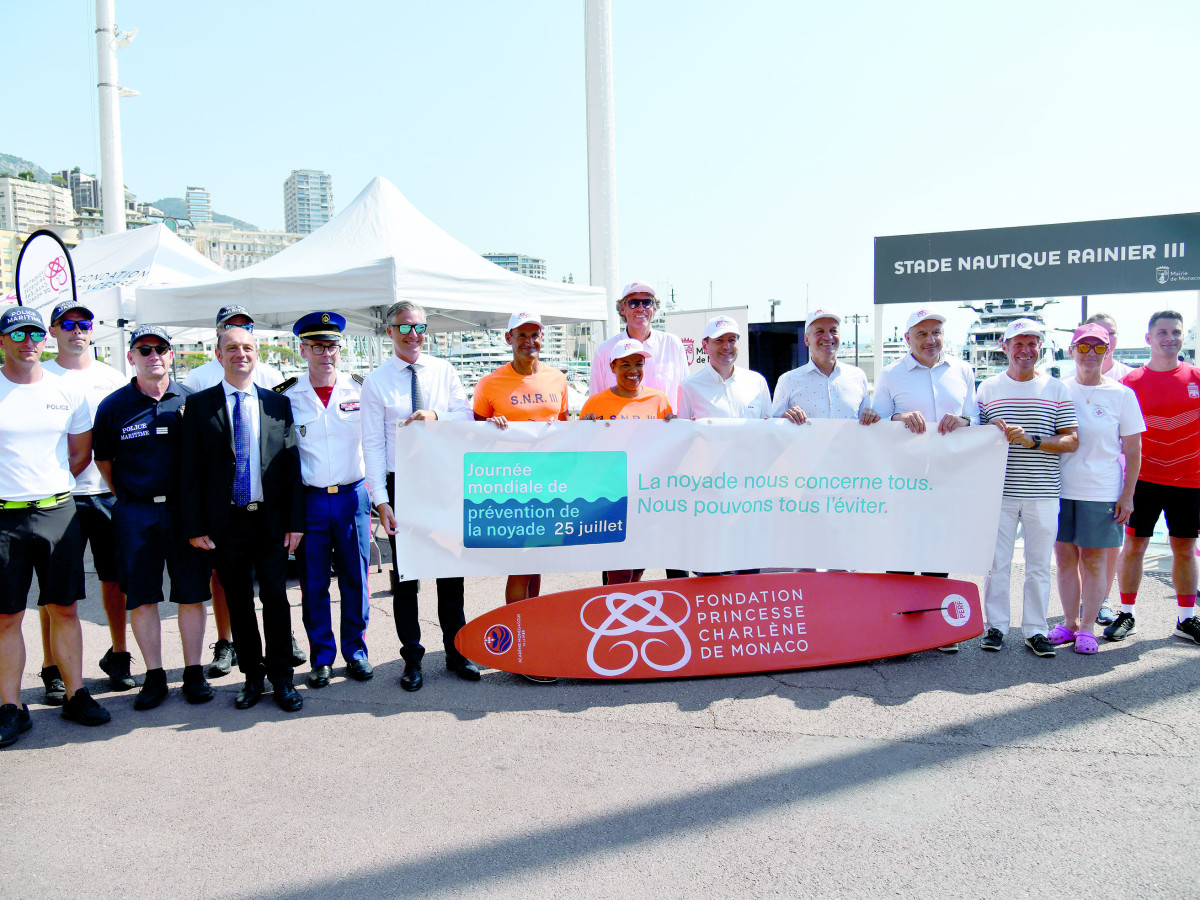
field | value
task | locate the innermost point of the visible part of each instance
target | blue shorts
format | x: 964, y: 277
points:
x: 150, y: 539
x: 45, y: 541
x: 1088, y: 524
x: 96, y: 528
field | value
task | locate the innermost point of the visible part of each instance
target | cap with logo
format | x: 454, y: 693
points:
x: 66, y: 306
x: 824, y: 313
x: 517, y: 319
x: 1099, y: 332
x: 320, y: 326
x: 629, y: 347
x: 155, y: 331
x: 922, y: 315
x: 17, y: 317
x: 1023, y: 326
x: 637, y: 287
x: 229, y: 312
x: 719, y: 325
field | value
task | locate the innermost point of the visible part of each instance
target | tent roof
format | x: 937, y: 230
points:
x: 378, y: 250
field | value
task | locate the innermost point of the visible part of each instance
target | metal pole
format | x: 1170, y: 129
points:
x: 602, y: 153
x: 112, y: 175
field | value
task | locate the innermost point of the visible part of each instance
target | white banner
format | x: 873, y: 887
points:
x: 707, y: 496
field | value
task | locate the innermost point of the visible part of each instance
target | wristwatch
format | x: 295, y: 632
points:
x: 1037, y: 442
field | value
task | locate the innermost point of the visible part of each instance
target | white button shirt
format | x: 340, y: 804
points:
x: 842, y: 394
x: 665, y: 370
x: 250, y: 402
x: 946, y: 389
x: 743, y: 395
x: 387, y: 402
x: 329, y: 437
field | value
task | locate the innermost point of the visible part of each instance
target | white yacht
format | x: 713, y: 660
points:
x: 983, y: 351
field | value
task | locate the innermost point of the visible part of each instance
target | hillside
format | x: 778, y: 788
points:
x: 177, y: 208
x: 15, y: 165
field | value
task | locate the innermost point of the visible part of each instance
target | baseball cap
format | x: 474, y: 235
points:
x: 228, y: 312
x: 1024, y: 326
x: 629, y: 347
x: 719, y: 325
x: 149, y: 331
x: 65, y: 307
x: 1099, y: 332
x: 517, y: 319
x: 17, y: 317
x: 823, y: 313
x: 637, y: 287
x: 921, y: 315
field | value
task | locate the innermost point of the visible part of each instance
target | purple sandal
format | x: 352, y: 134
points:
x: 1061, y: 634
x: 1085, y: 642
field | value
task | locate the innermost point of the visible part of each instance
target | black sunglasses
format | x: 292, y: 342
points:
x: 72, y: 324
x: 147, y: 349
x: 635, y: 302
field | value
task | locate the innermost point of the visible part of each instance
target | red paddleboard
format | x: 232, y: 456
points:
x: 723, y: 625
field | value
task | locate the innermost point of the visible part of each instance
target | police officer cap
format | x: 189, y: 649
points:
x: 149, y: 331
x: 17, y: 317
x: 228, y: 312
x: 66, y: 306
x: 320, y: 326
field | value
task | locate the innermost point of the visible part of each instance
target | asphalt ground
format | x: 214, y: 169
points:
x: 972, y: 775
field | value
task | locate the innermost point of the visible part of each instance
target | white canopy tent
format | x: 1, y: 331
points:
x: 378, y: 250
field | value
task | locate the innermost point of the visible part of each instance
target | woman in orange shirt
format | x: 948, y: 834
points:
x: 627, y: 399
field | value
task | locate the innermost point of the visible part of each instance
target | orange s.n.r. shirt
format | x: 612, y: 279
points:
x: 540, y: 397
x: 651, y: 404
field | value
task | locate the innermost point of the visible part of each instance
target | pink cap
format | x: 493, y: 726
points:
x: 1099, y: 332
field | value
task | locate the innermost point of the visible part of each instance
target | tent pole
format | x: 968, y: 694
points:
x: 601, y: 153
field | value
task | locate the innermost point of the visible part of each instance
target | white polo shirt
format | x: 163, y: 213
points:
x: 948, y: 388
x: 743, y: 395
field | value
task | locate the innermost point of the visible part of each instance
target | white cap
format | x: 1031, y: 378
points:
x: 1023, y: 326
x: 517, y: 319
x: 629, y: 347
x: 636, y: 287
x: 823, y: 313
x: 921, y: 315
x: 719, y: 325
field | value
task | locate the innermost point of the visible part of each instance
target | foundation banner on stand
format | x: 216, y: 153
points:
x: 706, y: 496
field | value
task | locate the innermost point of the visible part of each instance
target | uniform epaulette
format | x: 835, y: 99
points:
x: 357, y: 378
x: 286, y: 386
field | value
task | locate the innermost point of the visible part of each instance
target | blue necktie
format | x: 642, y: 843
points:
x: 241, y: 449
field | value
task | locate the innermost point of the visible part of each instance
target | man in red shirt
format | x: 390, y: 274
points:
x: 1169, y: 482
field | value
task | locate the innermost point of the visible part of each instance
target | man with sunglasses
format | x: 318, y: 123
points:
x: 137, y: 448
x: 71, y: 326
x: 46, y: 439
x: 326, y: 414
x: 200, y: 378
x: 411, y: 387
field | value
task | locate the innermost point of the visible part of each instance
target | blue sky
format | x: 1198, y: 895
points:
x: 761, y: 146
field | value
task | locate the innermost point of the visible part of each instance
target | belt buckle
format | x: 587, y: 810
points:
x: 251, y: 507
x: 332, y: 489
x: 161, y: 498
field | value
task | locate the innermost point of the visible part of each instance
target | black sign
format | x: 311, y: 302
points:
x: 1112, y: 256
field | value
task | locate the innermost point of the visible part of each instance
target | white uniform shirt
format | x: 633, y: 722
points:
x: 387, y: 402
x: 329, y: 437
x: 96, y: 382
x: 743, y: 395
x: 665, y: 370
x: 211, y: 373
x: 842, y: 394
x: 946, y: 389
x: 250, y: 402
x: 36, y: 419
x: 1106, y: 412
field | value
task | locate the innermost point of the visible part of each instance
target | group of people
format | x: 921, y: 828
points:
x: 219, y: 479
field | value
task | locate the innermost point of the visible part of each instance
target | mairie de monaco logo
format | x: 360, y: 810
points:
x: 498, y: 639
x: 619, y: 618
x: 689, y: 349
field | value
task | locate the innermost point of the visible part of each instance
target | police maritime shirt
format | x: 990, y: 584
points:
x: 96, y: 381
x: 387, y: 402
x: 329, y: 436
x: 1042, y: 407
x: 664, y: 371
x: 946, y: 388
x: 540, y: 397
x: 140, y: 436
x: 743, y: 395
x: 33, y: 440
x: 842, y: 394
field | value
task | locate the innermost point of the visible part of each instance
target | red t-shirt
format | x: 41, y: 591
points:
x: 1170, y: 404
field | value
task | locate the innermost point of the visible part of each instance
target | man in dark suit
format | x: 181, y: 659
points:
x: 242, y: 499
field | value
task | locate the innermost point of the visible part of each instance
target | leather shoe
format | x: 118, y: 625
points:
x: 319, y: 676
x: 465, y: 669
x: 250, y: 693
x: 360, y: 670
x: 287, y: 697
x: 196, y: 688
x: 299, y: 657
x: 412, y: 679
x: 154, y: 690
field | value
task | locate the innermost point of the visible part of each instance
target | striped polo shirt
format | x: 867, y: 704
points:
x: 1041, y: 406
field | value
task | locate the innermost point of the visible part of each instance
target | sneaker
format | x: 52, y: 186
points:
x: 993, y: 640
x: 116, y: 666
x: 14, y: 721
x: 1189, y: 628
x: 539, y: 679
x: 154, y: 690
x: 949, y: 648
x: 83, y: 709
x: 1107, y: 614
x: 1122, y: 628
x: 56, y: 690
x: 224, y: 659
x: 1039, y: 645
